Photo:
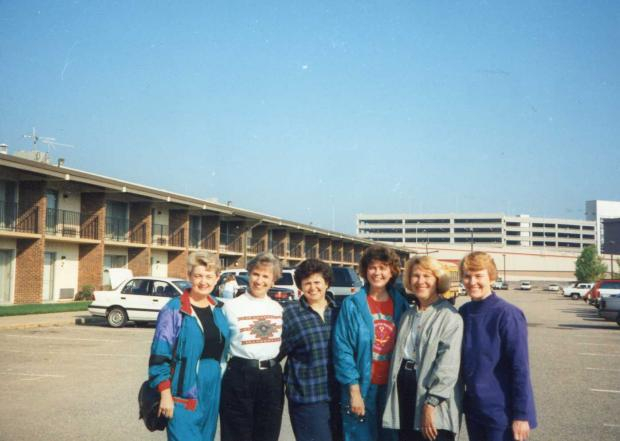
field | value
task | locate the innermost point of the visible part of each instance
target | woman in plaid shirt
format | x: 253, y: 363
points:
x: 306, y: 340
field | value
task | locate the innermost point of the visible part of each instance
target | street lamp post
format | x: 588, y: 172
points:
x: 504, y: 256
x: 471, y: 240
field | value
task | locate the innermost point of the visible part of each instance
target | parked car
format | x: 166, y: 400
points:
x: 287, y: 280
x: 138, y: 299
x: 602, y: 289
x: 281, y: 295
x: 499, y: 284
x: 345, y: 281
x: 242, y: 282
x: 553, y: 287
x: 610, y: 308
x: 577, y: 291
x: 525, y: 286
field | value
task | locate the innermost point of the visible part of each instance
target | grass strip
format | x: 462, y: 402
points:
x: 42, y: 308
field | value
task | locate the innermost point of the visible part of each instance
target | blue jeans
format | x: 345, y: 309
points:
x: 370, y: 429
x: 481, y: 432
x: 311, y: 422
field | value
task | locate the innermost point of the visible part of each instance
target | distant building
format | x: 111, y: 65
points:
x: 488, y: 229
x: 598, y: 211
x: 611, y: 245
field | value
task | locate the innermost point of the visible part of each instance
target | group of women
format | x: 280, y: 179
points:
x: 374, y: 369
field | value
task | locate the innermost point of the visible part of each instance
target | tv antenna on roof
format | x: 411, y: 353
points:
x: 49, y: 142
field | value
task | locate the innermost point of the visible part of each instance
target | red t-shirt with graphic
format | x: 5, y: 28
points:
x: 385, y: 338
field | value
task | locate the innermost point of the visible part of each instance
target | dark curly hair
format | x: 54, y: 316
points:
x: 382, y: 254
x: 312, y: 266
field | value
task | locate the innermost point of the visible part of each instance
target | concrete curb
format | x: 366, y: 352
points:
x: 41, y: 321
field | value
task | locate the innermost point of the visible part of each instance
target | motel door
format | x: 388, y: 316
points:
x: 48, y: 276
x: 5, y: 276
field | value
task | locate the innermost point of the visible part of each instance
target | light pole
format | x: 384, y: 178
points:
x: 471, y: 240
x: 504, y: 256
x: 426, y: 231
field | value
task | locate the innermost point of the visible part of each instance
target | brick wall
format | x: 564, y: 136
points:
x: 30, y: 252
x: 29, y: 271
x: 177, y: 264
x: 90, y: 267
x: 211, y: 232
x: 139, y: 261
x: 178, y: 225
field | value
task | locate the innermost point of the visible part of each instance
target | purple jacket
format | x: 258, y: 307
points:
x: 494, y: 364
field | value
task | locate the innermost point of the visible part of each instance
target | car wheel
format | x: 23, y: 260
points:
x: 116, y: 317
x: 574, y: 296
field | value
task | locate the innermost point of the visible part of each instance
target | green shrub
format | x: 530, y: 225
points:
x: 87, y: 293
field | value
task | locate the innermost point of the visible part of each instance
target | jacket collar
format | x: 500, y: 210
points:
x: 304, y: 303
x: 186, y: 305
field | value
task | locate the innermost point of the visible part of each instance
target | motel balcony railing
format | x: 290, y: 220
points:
x: 296, y: 251
x: 161, y: 235
x: 312, y: 253
x: 231, y: 244
x: 14, y: 217
x: 120, y: 230
x: 205, y: 243
x: 71, y: 224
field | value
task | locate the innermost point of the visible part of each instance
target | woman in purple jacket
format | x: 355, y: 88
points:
x: 499, y: 401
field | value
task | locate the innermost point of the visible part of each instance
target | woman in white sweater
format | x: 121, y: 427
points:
x: 252, y: 387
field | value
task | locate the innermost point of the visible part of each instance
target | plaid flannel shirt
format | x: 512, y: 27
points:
x: 307, y: 343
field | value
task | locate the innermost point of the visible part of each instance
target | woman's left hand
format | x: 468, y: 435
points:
x: 429, y: 431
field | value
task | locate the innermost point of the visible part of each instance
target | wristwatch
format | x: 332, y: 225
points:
x: 432, y: 400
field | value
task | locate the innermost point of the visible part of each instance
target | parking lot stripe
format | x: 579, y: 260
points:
x: 602, y: 369
x: 22, y: 374
x: 611, y: 425
x: 43, y: 337
x: 599, y: 355
x: 86, y: 354
x: 609, y: 391
x: 596, y: 344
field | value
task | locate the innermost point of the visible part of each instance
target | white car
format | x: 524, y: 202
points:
x: 138, y: 299
x: 552, y: 287
x: 287, y: 280
x: 525, y: 286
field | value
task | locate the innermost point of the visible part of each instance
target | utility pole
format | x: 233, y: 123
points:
x: 504, y: 256
x: 471, y: 240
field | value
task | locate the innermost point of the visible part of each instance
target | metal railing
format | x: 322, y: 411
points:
x: 258, y: 247
x: 325, y: 254
x: 296, y: 251
x: 337, y: 255
x: 231, y: 243
x: 160, y: 235
x: 279, y: 250
x: 63, y: 222
x: 16, y: 218
x: 312, y: 252
x: 120, y: 230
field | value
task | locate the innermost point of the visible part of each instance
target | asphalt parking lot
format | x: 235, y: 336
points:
x: 81, y: 382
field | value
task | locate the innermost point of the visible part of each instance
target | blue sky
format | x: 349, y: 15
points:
x: 316, y: 111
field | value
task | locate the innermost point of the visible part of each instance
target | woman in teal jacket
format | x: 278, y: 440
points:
x: 188, y: 355
x: 364, y: 339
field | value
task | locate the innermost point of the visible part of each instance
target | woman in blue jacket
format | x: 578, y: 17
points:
x: 364, y: 340
x: 188, y: 355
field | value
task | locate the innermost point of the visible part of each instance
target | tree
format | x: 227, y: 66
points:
x: 589, y: 266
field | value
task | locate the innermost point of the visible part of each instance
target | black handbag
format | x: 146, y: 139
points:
x: 148, y: 401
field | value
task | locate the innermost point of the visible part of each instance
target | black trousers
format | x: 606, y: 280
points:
x: 251, y: 403
x: 406, y: 384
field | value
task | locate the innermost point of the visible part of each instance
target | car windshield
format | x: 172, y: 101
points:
x: 285, y: 279
x: 242, y: 280
x: 182, y: 284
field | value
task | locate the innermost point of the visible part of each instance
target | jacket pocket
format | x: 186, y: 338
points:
x: 181, y: 380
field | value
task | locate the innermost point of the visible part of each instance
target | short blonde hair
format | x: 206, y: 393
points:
x: 429, y: 264
x: 266, y: 259
x: 478, y: 261
x: 199, y: 258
